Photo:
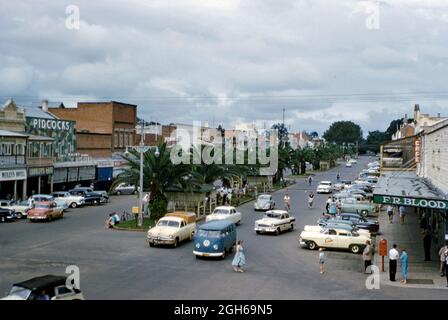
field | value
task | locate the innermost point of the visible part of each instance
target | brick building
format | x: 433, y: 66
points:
x: 102, y: 128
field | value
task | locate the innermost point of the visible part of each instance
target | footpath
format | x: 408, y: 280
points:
x: 421, y: 274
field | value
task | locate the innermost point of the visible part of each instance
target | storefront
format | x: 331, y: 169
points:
x: 104, y: 174
x: 419, y: 197
x: 68, y: 174
x: 40, y: 180
x: 13, y: 183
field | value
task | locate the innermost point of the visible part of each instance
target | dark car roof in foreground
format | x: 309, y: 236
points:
x: 216, y: 225
x: 42, y: 282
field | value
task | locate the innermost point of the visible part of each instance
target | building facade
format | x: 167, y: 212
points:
x: 102, y: 128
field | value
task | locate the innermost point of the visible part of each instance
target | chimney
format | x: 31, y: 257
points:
x: 45, y: 105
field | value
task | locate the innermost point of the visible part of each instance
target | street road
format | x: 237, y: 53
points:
x: 120, y: 265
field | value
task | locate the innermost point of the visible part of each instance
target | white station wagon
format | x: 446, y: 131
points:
x: 275, y: 221
x: 225, y: 213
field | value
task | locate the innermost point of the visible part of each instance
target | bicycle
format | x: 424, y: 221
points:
x: 287, y: 206
x: 125, y: 216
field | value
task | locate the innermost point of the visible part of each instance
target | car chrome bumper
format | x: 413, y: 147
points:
x: 263, y: 229
x: 302, y: 243
x: 160, y: 241
x: 207, y: 254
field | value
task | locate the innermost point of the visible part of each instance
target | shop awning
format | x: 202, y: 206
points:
x: 407, y: 189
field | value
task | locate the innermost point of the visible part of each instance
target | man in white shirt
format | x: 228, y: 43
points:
x: 393, y: 257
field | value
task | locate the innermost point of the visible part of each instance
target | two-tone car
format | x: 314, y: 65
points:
x: 71, y: 200
x: 275, y: 221
x: 352, y: 205
x: 225, y: 213
x: 87, y: 190
x: 90, y: 198
x: 20, y: 207
x: 339, y: 225
x: 45, y: 211
x: 332, y: 238
x: 7, y: 215
x: 372, y: 225
x: 264, y: 202
x: 172, y: 229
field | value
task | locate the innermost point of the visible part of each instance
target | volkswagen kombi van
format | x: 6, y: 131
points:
x: 214, y: 239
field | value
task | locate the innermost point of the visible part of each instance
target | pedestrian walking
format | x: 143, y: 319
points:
x: 310, y: 199
x: 393, y: 257
x: 287, y: 201
x: 339, y: 206
x: 402, y: 210
x: 390, y: 213
x: 238, y: 198
x: 240, y: 259
x: 224, y: 197
x: 321, y: 260
x: 443, y: 253
x: 145, y: 203
x: 427, y: 239
x: 423, y: 223
x: 229, y: 198
x: 404, y: 266
x: 338, y: 177
x: 367, y: 256
x: 327, y: 205
x: 310, y: 180
x: 333, y: 208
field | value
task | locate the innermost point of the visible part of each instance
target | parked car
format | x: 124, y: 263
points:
x: 20, y: 207
x: 325, y: 187
x: 338, y: 225
x: 353, y: 205
x: 71, y: 200
x: 91, y: 198
x: 275, y: 221
x: 264, y: 202
x: 348, y: 164
x: 53, y: 285
x: 353, y: 161
x: 225, y: 213
x: 172, y: 229
x: 102, y: 193
x: 372, y: 225
x: 45, y: 210
x: 215, y: 239
x: 333, y: 239
x: 342, y: 185
x: 124, y: 188
x: 60, y: 203
x: 7, y: 215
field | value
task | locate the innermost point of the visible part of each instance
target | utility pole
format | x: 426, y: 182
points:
x: 283, y: 116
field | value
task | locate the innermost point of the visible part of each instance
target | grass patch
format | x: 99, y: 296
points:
x: 131, y: 224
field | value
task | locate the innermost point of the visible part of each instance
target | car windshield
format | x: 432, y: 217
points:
x: 41, y: 206
x: 264, y: 198
x: 324, y: 183
x: 23, y: 293
x: 272, y: 215
x: 221, y: 211
x: 208, y: 233
x: 168, y: 223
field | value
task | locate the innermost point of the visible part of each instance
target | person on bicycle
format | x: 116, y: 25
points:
x: 287, y: 201
x: 310, y: 199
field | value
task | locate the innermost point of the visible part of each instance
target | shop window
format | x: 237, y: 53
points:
x: 116, y: 139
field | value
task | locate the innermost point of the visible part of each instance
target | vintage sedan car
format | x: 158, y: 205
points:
x: 264, y: 202
x: 54, y: 287
x: 20, y: 207
x: 339, y: 225
x: 41, y: 197
x: 364, y: 208
x: 334, y: 239
x: 7, y: 215
x: 124, y: 188
x: 372, y: 225
x: 45, y: 210
x: 81, y: 190
x: 71, y: 200
x: 325, y: 187
x: 344, y: 184
x: 91, y: 198
x: 275, y: 221
x: 225, y: 213
x: 172, y: 229
x: 348, y: 164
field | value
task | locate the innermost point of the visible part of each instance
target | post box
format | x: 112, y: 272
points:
x: 135, y: 210
x: 383, y: 247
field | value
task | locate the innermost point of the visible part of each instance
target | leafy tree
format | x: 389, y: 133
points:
x: 314, y: 134
x: 375, y: 139
x: 343, y: 132
x: 394, y: 125
x: 282, y: 134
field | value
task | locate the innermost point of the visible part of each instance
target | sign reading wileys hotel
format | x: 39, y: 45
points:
x: 412, y: 202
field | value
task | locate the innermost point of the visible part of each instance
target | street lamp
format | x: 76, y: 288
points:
x: 141, y: 148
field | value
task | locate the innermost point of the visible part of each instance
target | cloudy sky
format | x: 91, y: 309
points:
x: 229, y: 61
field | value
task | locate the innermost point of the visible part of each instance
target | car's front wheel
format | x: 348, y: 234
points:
x: 118, y: 193
x: 19, y: 215
x: 73, y: 205
x: 3, y: 219
x: 176, y: 243
x: 312, y: 245
x: 292, y: 227
x: 277, y: 231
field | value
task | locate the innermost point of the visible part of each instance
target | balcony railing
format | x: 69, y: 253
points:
x: 11, y: 160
